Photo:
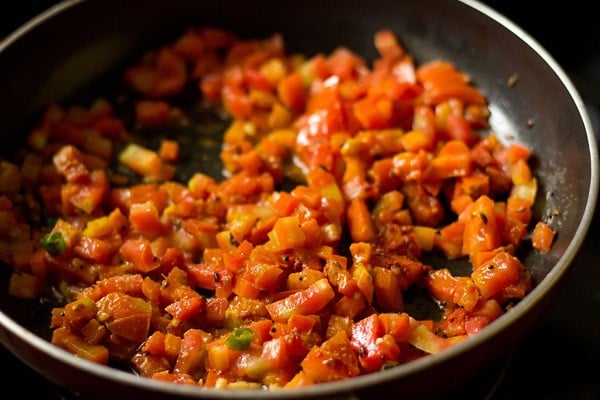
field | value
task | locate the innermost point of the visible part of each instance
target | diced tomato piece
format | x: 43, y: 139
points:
x: 291, y: 91
x: 333, y: 360
x: 191, y: 353
x: 125, y: 316
x: 77, y: 345
x: 373, y: 346
x: 480, y: 230
x: 542, y: 237
x: 307, y: 301
x: 152, y: 113
x: 498, y: 273
x: 139, y: 253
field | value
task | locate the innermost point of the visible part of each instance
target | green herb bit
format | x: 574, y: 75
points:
x: 240, y: 338
x: 54, y: 243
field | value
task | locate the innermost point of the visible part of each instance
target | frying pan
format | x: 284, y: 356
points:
x: 69, y: 51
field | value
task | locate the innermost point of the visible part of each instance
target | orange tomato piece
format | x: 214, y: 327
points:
x: 152, y: 113
x: 360, y: 222
x: 291, y: 91
x: 307, y: 301
x: 496, y: 274
x: 332, y: 360
x: 480, y: 228
x: 69, y: 341
x: 542, y: 237
x: 125, y: 316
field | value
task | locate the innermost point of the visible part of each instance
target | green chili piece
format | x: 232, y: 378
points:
x: 54, y: 243
x: 240, y: 338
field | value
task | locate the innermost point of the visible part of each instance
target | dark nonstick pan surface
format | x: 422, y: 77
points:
x: 80, y: 43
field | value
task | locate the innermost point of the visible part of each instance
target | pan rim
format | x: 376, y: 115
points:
x: 361, y: 382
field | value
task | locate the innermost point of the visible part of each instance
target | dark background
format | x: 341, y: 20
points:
x: 565, y: 344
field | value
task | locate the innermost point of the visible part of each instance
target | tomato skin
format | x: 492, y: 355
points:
x: 373, y: 346
x: 307, y: 301
x: 292, y: 93
x: 387, y: 45
x: 500, y: 272
x: 89, y: 196
x: 461, y: 291
x: 324, y: 117
x: 542, y: 237
x: 483, y: 315
x: 443, y: 82
x: 359, y: 221
x: 152, y: 113
x: 69, y: 341
x: 333, y: 360
x: 188, y: 304
x: 190, y: 355
x: 208, y: 275
x: 164, y: 77
x: 373, y: 113
x: 144, y: 217
x: 453, y: 160
x: 68, y: 162
x: 93, y: 249
x: 424, y: 121
x: 480, y: 229
x: 287, y: 233
x: 387, y: 288
x: 125, y: 316
x: 397, y: 325
x: 458, y: 128
x: 236, y: 101
x: 314, y: 149
x: 276, y: 353
x: 139, y: 253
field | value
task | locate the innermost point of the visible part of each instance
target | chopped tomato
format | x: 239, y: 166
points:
x: 542, y: 237
x: 307, y: 301
x: 125, y: 316
x: 299, y: 264
x: 333, y: 360
x: 374, y: 347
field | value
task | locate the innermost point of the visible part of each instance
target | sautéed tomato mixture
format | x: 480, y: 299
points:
x: 341, y: 178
